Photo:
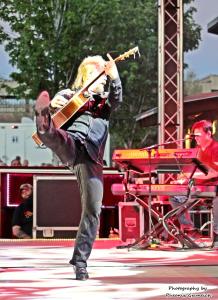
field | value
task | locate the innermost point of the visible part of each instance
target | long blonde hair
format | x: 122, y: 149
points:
x: 82, y: 74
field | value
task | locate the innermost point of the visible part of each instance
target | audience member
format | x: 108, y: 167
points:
x: 22, y: 221
x: 16, y: 162
x: 25, y: 163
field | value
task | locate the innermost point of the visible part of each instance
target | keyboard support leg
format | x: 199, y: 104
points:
x: 167, y: 223
x: 182, y: 237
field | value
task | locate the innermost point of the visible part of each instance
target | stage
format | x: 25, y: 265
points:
x: 39, y: 269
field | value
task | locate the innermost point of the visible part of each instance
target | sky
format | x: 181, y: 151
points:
x: 203, y: 61
x: 5, y: 67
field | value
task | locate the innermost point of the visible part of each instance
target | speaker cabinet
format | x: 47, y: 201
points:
x: 56, y: 206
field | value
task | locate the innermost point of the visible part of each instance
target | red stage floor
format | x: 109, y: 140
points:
x: 39, y: 269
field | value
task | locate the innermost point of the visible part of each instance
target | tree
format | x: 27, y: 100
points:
x: 52, y: 37
x: 191, y: 84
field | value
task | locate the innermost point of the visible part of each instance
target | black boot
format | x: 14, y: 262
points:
x: 81, y: 273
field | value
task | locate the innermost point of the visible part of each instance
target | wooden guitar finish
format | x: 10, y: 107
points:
x: 78, y: 100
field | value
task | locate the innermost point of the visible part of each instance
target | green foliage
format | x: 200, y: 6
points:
x: 50, y: 38
x: 191, y: 84
x: 192, y: 31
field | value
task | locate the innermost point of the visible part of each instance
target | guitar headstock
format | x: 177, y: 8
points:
x: 127, y: 54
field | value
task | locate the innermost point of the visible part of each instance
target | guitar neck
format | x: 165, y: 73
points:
x: 117, y: 59
x: 85, y: 88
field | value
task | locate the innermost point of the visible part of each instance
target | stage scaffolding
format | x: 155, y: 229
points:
x: 170, y: 73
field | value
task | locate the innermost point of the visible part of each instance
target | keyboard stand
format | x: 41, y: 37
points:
x: 167, y: 223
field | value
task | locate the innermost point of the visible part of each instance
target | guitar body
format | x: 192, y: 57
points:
x: 69, y: 110
x: 65, y: 114
x: 36, y: 139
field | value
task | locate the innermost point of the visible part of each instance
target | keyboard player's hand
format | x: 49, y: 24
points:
x: 179, y: 181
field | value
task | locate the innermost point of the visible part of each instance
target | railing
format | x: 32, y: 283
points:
x: 15, y: 105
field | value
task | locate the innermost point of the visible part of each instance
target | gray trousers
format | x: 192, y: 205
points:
x: 185, y: 219
x: 90, y: 180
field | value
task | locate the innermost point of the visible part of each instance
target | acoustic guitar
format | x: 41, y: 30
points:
x: 78, y: 100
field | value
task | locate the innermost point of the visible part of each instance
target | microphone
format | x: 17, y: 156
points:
x: 200, y: 166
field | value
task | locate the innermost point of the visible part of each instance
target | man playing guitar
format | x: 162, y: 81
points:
x: 81, y: 141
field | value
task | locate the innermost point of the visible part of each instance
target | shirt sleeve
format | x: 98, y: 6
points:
x: 115, y: 93
x: 66, y: 93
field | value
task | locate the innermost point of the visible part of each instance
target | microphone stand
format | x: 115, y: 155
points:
x: 156, y: 146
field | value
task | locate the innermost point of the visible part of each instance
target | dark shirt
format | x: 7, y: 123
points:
x: 23, y: 216
x: 91, y: 126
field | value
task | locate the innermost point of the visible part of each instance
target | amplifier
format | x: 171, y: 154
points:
x: 131, y: 221
x: 56, y: 206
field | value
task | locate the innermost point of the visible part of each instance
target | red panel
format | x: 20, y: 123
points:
x: 108, y: 198
x: 131, y: 221
x: 13, y: 181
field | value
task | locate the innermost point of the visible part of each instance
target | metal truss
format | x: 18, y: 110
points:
x: 170, y: 93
